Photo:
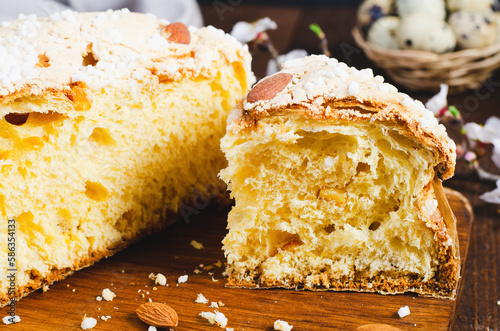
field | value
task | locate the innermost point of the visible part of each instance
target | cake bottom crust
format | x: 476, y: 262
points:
x: 373, y: 285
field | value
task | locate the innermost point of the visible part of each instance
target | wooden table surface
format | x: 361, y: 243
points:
x: 477, y: 308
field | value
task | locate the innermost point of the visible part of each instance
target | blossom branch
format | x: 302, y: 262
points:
x: 322, y: 37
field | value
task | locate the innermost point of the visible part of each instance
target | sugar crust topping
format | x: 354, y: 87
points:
x: 318, y: 79
x: 127, y: 48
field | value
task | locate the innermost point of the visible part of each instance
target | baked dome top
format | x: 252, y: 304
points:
x: 324, y: 88
x: 103, y: 48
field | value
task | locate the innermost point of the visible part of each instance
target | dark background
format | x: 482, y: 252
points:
x: 308, y: 3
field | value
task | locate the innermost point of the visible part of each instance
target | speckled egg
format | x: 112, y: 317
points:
x: 474, y: 5
x: 432, y: 8
x: 421, y: 32
x: 473, y: 29
x: 495, y: 17
x: 372, y: 10
x: 383, y: 32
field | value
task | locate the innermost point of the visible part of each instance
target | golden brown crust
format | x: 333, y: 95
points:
x: 326, y: 90
x: 358, y: 284
x: 350, y: 109
x: 102, y: 48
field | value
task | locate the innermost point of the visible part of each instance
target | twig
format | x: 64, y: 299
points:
x: 322, y: 37
x: 264, y: 40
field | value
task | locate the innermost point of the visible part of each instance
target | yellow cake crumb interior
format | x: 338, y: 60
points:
x: 326, y: 200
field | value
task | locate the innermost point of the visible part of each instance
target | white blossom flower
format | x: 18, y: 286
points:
x: 489, y: 134
x: 493, y: 196
x: 245, y: 32
x: 439, y: 101
x: 272, y: 66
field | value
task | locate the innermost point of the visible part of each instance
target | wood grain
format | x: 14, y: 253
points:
x: 170, y: 253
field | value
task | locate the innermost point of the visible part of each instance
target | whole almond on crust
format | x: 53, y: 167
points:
x: 157, y: 314
x: 269, y: 87
x: 176, y: 33
x: 377, y: 327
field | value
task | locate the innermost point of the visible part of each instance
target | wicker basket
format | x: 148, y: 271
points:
x: 424, y: 71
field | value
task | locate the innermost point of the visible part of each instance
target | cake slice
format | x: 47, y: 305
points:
x: 110, y: 125
x: 337, y: 182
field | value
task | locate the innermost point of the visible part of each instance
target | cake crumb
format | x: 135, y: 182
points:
x: 99, y: 298
x: 45, y: 287
x: 201, y: 299
x: 73, y: 290
x: 160, y: 279
x: 282, y: 325
x: 88, y: 322
x: 152, y: 328
x: 214, y: 280
x: 404, y: 311
x: 108, y: 295
x: 498, y: 302
x: 229, y: 329
x: 221, y: 304
x: 105, y: 318
x: 182, y: 279
x: 11, y: 319
x: 197, y: 271
x: 196, y: 244
x: 215, y: 318
x: 218, y: 264
x: 214, y: 305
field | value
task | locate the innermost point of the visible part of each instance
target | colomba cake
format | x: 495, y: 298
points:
x: 109, y: 123
x: 337, y: 182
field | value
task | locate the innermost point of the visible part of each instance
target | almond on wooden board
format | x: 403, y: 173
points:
x: 377, y: 327
x: 157, y: 314
x: 176, y: 33
x: 269, y: 87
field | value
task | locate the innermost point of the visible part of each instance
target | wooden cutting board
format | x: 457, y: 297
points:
x: 169, y: 253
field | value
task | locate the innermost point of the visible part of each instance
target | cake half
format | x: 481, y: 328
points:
x: 337, y: 182
x: 109, y: 126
